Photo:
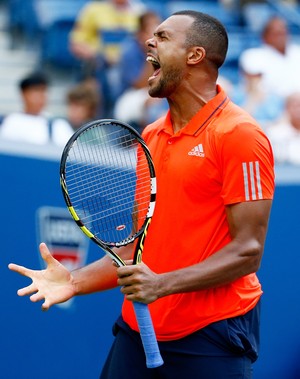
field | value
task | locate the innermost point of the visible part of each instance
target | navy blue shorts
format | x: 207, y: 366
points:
x: 223, y: 350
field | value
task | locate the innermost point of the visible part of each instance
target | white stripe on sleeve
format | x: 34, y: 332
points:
x: 252, y: 181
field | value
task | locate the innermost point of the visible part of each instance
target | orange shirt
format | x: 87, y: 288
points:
x: 220, y: 157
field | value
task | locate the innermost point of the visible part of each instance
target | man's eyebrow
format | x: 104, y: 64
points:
x: 159, y: 33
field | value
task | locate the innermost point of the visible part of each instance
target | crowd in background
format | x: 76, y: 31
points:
x: 105, y: 43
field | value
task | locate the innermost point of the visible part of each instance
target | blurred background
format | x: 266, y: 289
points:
x: 66, y: 62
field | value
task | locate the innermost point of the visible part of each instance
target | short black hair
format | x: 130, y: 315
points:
x: 208, y: 32
x: 33, y: 79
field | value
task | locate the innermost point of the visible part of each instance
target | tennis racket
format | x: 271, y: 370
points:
x: 108, y: 182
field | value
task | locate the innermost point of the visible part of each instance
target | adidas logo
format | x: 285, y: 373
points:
x: 197, y: 151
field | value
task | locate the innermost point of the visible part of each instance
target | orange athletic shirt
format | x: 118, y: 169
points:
x: 220, y: 157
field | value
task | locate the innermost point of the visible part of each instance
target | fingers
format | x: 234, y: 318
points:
x: 40, y: 288
x: 46, y: 305
x: 130, y: 269
x: 128, y: 262
x: 129, y: 276
x: 45, y: 253
x: 138, y: 283
x: 36, y: 297
x: 27, y: 290
x: 136, y: 293
x: 20, y: 269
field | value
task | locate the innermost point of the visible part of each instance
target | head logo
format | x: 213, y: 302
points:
x: 120, y: 227
x: 63, y: 237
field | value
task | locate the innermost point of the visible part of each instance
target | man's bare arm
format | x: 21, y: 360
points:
x: 55, y: 284
x: 248, y: 224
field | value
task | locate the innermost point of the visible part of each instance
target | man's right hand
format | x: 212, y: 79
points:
x: 53, y: 284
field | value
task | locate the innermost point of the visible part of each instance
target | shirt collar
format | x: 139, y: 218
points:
x: 202, y: 117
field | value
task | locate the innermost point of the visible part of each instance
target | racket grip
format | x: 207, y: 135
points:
x: 153, y: 357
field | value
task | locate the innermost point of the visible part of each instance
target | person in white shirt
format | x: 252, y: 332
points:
x: 32, y: 125
x: 83, y: 103
x: 285, y: 134
x: 278, y: 59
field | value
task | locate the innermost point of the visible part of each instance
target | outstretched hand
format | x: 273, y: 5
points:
x: 54, y: 284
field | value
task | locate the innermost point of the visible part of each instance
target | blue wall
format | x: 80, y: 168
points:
x: 72, y: 341
x: 65, y: 342
x: 280, y: 277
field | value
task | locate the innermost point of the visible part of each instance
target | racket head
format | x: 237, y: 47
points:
x: 108, y: 182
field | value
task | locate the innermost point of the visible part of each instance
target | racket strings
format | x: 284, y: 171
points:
x: 86, y: 174
x: 108, y: 183
x: 110, y: 178
x: 106, y: 192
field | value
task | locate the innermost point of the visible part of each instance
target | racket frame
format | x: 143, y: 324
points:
x: 153, y: 357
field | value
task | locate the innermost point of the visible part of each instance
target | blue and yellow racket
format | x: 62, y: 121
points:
x: 108, y: 182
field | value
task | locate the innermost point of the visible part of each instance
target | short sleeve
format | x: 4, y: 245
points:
x: 247, y: 164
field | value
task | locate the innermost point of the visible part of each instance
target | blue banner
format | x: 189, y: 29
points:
x: 72, y: 340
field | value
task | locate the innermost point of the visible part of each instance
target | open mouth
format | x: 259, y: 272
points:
x: 155, y: 65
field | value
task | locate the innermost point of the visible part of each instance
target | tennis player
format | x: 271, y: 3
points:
x: 215, y: 180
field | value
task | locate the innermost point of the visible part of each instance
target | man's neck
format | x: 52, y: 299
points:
x: 185, y: 107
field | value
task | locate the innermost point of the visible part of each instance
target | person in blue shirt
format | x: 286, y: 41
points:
x: 133, y: 68
x: 134, y: 105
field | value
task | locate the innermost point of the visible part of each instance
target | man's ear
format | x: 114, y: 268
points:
x: 195, y: 55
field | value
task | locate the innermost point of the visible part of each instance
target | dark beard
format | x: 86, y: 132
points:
x: 167, y: 84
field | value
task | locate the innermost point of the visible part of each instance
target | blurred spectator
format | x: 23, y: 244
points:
x: 32, y: 125
x: 138, y: 109
x: 135, y: 105
x: 94, y: 23
x: 285, y: 134
x: 133, y: 68
x: 82, y: 104
x: 251, y: 94
x: 246, y: 2
x: 99, y: 30
x: 277, y: 59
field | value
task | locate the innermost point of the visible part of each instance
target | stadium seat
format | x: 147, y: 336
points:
x: 55, y: 45
x: 230, y: 18
x: 49, y: 11
x: 240, y: 40
x: 158, y: 7
x: 22, y: 19
x: 255, y: 15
